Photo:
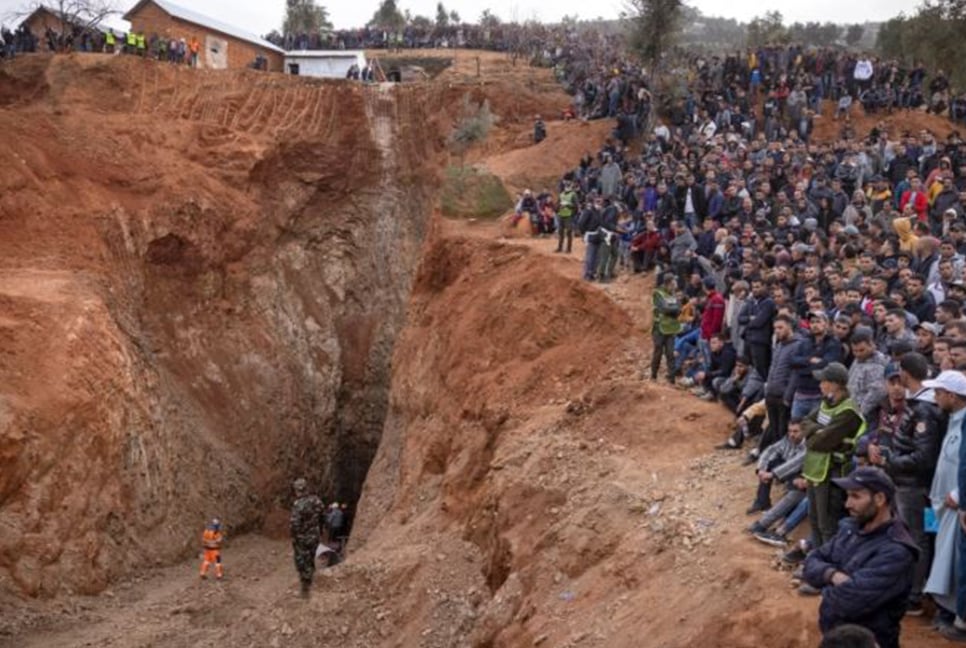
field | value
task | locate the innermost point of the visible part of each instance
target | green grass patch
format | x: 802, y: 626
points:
x: 471, y: 193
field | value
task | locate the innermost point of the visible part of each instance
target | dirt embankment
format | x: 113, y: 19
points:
x: 202, y: 277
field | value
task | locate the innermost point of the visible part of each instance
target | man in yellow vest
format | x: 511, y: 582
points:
x: 131, y: 43
x: 109, y: 41
x: 142, y: 46
x: 831, y: 431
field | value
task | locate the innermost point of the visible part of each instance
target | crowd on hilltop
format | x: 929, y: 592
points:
x: 814, y: 288
x: 532, y: 38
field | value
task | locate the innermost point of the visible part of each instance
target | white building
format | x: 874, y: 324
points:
x: 328, y: 64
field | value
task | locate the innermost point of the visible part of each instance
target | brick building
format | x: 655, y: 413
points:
x: 223, y: 46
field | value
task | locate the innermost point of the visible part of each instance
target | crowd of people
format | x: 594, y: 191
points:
x: 183, y: 51
x: 531, y: 38
x: 814, y: 288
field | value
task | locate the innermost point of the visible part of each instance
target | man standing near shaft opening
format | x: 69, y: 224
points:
x: 306, y: 525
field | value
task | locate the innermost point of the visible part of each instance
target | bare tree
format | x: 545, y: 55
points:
x: 83, y: 15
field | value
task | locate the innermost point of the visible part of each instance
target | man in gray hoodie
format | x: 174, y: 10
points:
x: 682, y: 248
x: 866, y: 375
x: 610, y: 178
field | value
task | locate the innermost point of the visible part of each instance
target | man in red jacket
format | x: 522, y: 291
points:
x: 712, y: 318
x: 916, y: 197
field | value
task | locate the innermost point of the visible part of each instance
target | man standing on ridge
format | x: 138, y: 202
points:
x: 307, y: 520
x: 665, y: 325
x: 565, y: 218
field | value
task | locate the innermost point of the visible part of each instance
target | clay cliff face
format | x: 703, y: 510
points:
x: 201, y: 276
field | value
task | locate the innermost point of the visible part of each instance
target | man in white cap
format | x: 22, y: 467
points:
x: 950, y: 389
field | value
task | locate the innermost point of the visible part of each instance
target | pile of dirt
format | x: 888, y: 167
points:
x: 540, y: 166
x: 469, y: 192
x: 829, y: 129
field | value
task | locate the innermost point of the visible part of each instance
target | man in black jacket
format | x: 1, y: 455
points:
x: 816, y: 351
x: 588, y: 224
x: 691, y: 203
x: 865, y: 570
x: 905, y: 436
x: 758, y: 319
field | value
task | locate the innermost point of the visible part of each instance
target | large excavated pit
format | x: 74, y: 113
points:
x: 203, y: 276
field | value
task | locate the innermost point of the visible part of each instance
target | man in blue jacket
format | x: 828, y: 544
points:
x: 865, y: 571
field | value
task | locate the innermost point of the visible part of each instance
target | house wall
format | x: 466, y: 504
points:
x: 152, y: 20
x: 40, y: 21
x: 334, y: 67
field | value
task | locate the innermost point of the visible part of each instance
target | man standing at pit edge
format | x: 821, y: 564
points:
x: 831, y: 432
x: 865, y: 571
x: 665, y: 325
x: 306, y: 527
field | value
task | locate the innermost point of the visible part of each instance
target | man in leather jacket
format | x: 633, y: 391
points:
x: 904, y: 439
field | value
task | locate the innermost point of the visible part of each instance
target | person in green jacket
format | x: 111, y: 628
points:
x: 831, y: 431
x: 665, y: 325
x: 565, y: 217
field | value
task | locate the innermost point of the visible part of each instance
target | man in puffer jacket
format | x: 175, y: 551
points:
x: 865, y: 570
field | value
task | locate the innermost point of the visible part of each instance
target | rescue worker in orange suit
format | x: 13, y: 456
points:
x: 211, y: 541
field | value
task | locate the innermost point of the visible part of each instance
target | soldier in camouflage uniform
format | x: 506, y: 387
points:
x: 306, y: 528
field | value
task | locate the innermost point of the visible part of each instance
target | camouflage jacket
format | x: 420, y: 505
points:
x: 307, y: 518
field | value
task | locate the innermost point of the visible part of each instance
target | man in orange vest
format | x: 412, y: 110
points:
x: 211, y: 541
x: 193, y: 48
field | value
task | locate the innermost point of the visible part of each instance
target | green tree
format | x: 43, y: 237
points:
x: 388, y: 16
x: 489, y: 19
x: 454, y: 18
x: 305, y: 17
x: 854, y: 34
x: 768, y: 29
x: 653, y: 25
x: 814, y: 33
x: 422, y: 23
x: 442, y: 18
x: 473, y: 126
x: 933, y: 36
